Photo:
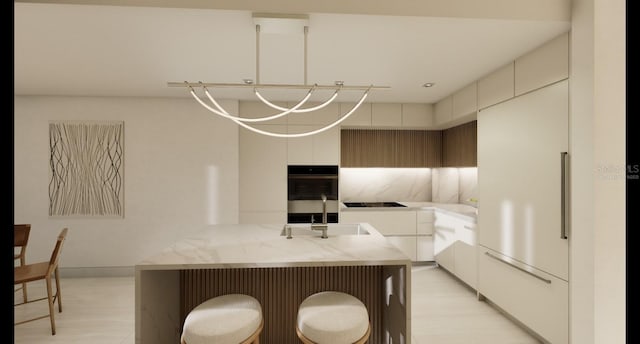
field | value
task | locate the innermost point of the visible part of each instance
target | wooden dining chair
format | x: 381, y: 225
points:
x: 20, y: 240
x: 43, y: 271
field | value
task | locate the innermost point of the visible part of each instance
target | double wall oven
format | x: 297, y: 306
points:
x: 306, y: 186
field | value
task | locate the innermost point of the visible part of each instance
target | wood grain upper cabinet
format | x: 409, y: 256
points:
x: 386, y: 115
x: 390, y: 148
x: 543, y: 66
x: 465, y: 101
x: 460, y: 146
x: 496, y: 87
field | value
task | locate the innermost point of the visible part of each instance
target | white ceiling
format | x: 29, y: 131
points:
x: 68, y: 49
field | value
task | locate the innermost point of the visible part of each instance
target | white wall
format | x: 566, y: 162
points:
x: 180, y: 173
x: 597, y: 139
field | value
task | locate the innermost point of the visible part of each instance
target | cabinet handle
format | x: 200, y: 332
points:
x: 564, y: 192
x: 468, y: 227
x: 548, y: 281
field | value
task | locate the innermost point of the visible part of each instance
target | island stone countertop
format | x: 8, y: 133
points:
x: 257, y: 260
x: 261, y: 245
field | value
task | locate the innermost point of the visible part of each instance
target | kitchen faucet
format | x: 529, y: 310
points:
x: 322, y: 227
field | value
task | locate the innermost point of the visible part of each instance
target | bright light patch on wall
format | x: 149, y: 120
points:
x: 213, y: 188
x: 506, y: 227
x: 529, y: 227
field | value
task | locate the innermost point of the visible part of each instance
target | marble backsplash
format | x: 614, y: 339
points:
x: 440, y: 185
x: 385, y: 184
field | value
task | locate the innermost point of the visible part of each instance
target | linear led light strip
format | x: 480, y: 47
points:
x: 219, y: 110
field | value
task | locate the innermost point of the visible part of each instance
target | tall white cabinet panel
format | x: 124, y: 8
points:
x: 537, y: 299
x: 519, y: 177
x: 263, y: 176
x: 523, y: 260
x: 496, y: 87
x: 543, y: 66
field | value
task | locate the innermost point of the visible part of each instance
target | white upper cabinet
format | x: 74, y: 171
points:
x: 326, y: 147
x: 543, y: 66
x: 465, y: 101
x: 496, y: 87
x: 323, y: 116
x: 262, y: 158
x: 318, y: 149
x: 386, y: 115
x: 417, y: 115
x: 443, y: 111
x: 258, y: 109
x: 360, y: 118
x: 299, y: 149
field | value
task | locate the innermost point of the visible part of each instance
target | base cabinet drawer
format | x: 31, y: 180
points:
x: 425, y: 248
x: 406, y: 244
x: 386, y: 222
x: 535, y: 298
x: 444, y: 255
x: 466, y: 264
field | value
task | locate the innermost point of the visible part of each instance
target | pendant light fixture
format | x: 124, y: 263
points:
x: 276, y: 23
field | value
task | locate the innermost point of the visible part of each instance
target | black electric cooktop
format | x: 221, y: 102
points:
x: 373, y: 204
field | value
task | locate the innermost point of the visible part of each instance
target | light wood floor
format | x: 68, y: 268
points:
x: 101, y: 311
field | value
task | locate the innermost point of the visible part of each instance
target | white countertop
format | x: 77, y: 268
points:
x: 235, y: 246
x: 462, y: 211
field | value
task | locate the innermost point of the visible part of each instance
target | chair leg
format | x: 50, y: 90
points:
x: 24, y: 285
x: 58, y: 293
x: 50, y: 300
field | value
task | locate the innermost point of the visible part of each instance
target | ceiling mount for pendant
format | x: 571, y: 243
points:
x: 281, y: 24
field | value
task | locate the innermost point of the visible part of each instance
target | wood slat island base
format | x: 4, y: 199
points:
x: 367, y: 267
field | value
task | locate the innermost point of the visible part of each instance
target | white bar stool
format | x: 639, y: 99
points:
x: 334, y: 318
x: 226, y: 319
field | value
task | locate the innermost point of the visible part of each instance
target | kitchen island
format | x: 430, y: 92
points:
x: 260, y: 261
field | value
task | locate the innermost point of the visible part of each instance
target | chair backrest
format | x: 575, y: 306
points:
x: 55, y: 256
x: 21, y: 235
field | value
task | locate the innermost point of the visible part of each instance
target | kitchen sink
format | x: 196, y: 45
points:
x: 333, y: 229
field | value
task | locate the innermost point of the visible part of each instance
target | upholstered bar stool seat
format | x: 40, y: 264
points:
x: 226, y: 319
x: 333, y: 317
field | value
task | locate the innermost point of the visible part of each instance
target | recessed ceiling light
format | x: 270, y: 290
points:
x: 429, y: 84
